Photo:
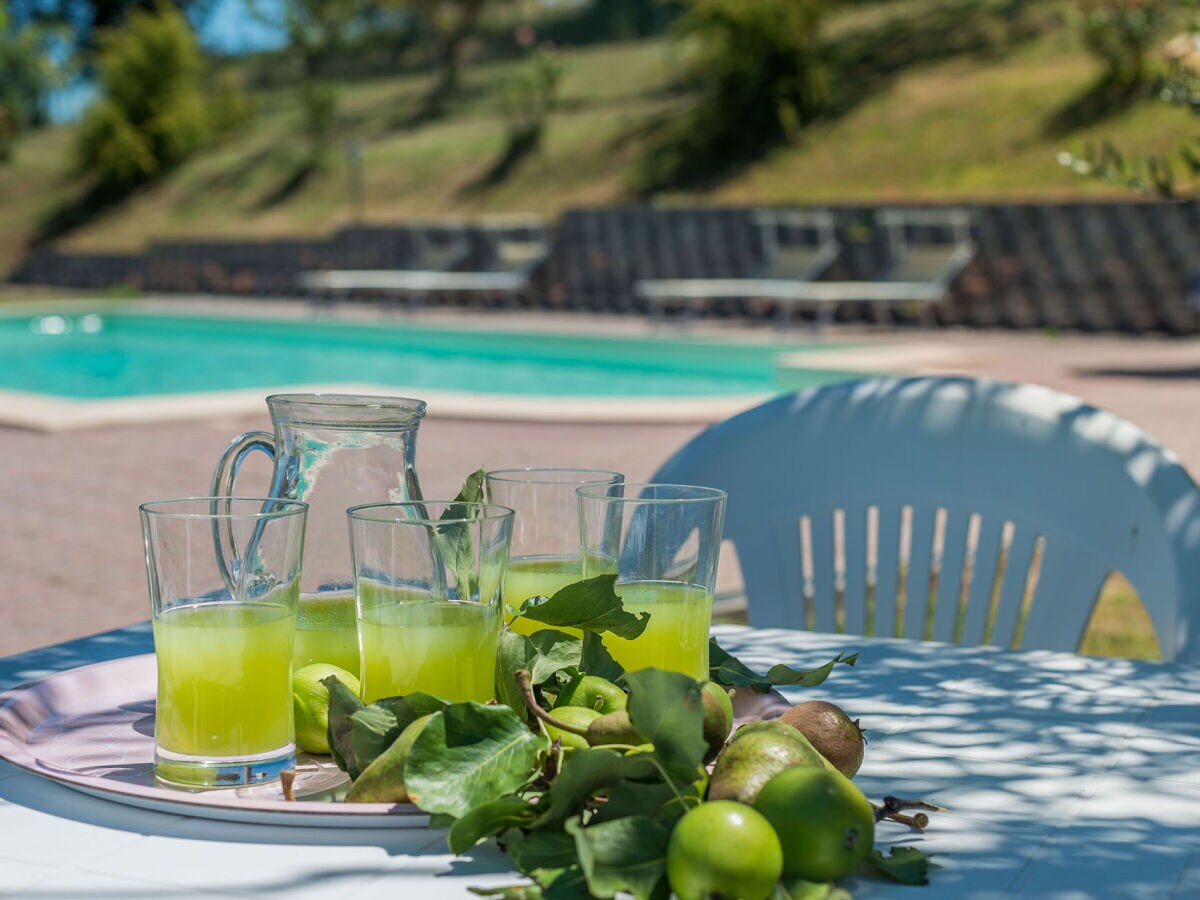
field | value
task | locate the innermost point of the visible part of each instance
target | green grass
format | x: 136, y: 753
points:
x: 968, y: 126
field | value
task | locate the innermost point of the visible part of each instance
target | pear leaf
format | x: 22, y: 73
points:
x: 628, y: 854
x: 470, y: 754
x: 666, y: 710
x: 590, y: 605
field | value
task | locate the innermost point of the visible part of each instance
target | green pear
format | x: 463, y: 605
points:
x: 754, y: 757
x: 579, y: 716
x: 593, y: 692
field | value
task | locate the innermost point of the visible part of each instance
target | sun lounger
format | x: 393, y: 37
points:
x: 784, y: 265
x: 512, y: 252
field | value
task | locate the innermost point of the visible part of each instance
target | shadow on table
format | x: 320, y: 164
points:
x: 129, y: 641
x: 1062, y: 772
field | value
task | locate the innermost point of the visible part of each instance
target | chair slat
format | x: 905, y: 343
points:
x: 824, y: 591
x: 855, y: 544
x: 983, y: 580
x: 887, y: 569
x: 950, y: 578
x: 920, y: 568
x: 1012, y: 591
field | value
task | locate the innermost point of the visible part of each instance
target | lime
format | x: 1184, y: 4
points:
x: 723, y: 849
x: 825, y: 825
x: 310, y: 703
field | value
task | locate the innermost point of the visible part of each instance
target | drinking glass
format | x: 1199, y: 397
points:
x: 663, y: 541
x: 224, y: 576
x: 427, y: 579
x: 545, y: 545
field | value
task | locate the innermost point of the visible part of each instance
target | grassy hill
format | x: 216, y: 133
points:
x: 941, y: 117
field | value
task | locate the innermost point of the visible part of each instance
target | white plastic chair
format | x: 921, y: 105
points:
x: 951, y: 509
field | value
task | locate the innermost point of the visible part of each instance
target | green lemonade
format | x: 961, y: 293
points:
x: 327, y: 631
x: 676, y: 636
x: 224, y: 679
x: 537, y: 576
x: 443, y: 648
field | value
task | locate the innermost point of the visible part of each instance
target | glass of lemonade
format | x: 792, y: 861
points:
x: 224, y: 576
x: 663, y: 541
x: 545, y: 545
x: 427, y: 580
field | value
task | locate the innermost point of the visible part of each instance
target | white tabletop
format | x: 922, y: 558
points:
x: 1066, y: 776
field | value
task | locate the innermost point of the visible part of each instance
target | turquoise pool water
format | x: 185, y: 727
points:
x: 122, y: 354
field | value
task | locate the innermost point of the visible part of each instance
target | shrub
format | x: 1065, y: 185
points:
x: 760, y: 77
x: 1120, y: 33
x: 26, y: 77
x: 152, y: 113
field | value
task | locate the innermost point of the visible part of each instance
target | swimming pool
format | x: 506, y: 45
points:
x: 95, y: 355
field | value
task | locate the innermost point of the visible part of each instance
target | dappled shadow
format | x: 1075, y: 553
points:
x: 76, y: 213
x: 867, y: 60
x: 1104, y: 99
x: 516, y: 148
x: 289, y: 186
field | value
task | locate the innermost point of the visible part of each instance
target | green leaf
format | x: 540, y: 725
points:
x: 342, y: 705
x: 376, y: 726
x: 591, y: 605
x: 556, y: 650
x: 470, y: 754
x: 585, y: 771
x: 666, y: 710
x: 541, y: 852
x: 570, y: 884
x: 799, y: 889
x: 627, y: 854
x: 596, y: 660
x: 906, y: 865
x: 781, y: 675
x: 726, y: 669
x: 638, y: 798
x: 454, y: 538
x: 514, y: 651
x: 489, y: 819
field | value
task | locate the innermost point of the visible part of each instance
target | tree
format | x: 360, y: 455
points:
x: 760, y: 76
x: 26, y: 76
x: 452, y: 22
x: 151, y: 114
x: 88, y: 18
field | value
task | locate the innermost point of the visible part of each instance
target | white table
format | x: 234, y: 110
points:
x: 1066, y: 777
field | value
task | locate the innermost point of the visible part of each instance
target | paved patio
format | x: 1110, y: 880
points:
x: 70, y: 543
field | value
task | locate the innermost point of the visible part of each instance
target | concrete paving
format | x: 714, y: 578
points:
x: 70, y: 542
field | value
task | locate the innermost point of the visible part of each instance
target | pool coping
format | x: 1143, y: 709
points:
x: 42, y: 412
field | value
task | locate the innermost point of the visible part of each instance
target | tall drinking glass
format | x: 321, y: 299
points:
x: 427, y: 579
x: 663, y: 541
x: 545, y: 545
x: 224, y: 575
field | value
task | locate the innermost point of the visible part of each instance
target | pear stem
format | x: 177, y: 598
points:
x: 525, y: 686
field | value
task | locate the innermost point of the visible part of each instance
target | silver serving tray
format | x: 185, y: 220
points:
x: 92, y: 729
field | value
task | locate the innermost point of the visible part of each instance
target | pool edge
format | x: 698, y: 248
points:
x: 40, y: 412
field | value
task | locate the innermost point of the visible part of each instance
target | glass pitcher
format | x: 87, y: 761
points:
x: 332, y: 451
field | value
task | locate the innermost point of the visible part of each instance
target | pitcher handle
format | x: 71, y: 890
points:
x: 223, y: 480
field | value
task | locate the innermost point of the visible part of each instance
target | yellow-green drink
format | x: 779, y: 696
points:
x: 439, y: 647
x: 676, y: 637
x: 327, y: 631
x: 224, y: 679
x: 537, y: 576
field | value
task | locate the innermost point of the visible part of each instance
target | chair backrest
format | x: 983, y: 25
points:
x: 942, y: 252
x: 798, y: 244
x: 951, y: 509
